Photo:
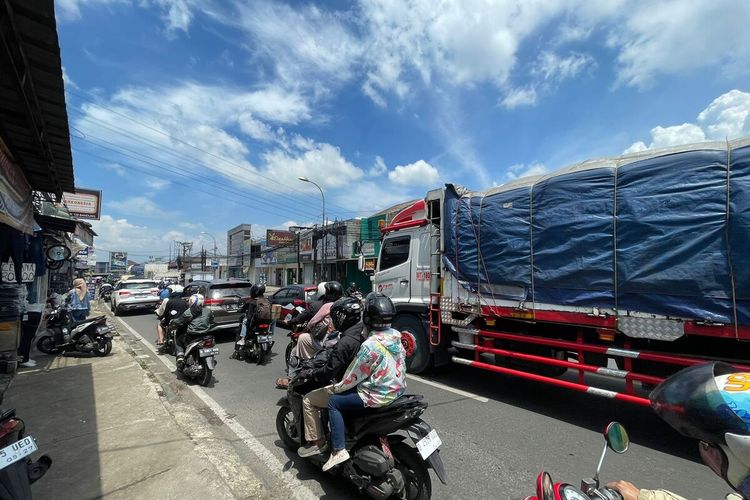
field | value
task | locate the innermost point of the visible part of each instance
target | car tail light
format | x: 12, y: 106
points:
x: 298, y: 302
x: 213, y: 302
x: 209, y: 342
x: 123, y: 293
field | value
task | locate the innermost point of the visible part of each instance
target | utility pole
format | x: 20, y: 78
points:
x: 298, y: 230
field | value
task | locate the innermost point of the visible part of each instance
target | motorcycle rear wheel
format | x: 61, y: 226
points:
x: 46, y: 344
x: 416, y: 475
x: 286, y: 427
x: 101, y: 352
x: 288, y: 353
x: 207, y: 374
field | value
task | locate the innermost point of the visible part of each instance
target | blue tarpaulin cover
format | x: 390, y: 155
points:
x: 664, y: 232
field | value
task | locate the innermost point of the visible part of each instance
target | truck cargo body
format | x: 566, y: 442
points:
x: 641, y: 260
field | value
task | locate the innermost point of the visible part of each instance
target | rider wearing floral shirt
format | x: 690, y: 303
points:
x: 375, y: 378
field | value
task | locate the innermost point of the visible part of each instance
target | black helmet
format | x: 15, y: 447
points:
x: 257, y: 290
x: 334, y: 291
x: 378, y: 311
x: 345, y: 313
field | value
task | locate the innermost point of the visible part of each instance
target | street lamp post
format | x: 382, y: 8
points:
x: 325, y: 240
x: 212, y: 237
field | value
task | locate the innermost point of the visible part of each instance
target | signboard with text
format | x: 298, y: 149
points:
x: 118, y: 261
x: 84, y: 203
x: 8, y: 272
x: 276, y: 238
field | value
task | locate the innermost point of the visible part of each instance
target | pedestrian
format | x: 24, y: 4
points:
x: 79, y: 300
x: 30, y: 320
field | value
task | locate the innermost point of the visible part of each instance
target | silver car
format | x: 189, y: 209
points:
x: 134, y: 294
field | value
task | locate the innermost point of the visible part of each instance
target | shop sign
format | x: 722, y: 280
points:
x: 370, y: 265
x: 267, y: 257
x: 368, y: 248
x: 118, y: 261
x: 305, y: 245
x: 276, y: 238
x: 84, y: 203
x: 8, y: 272
x: 15, y: 196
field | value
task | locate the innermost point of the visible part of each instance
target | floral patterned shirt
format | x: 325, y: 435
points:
x: 378, y: 371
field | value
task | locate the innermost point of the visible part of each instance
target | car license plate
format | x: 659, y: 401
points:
x: 231, y: 309
x: 428, y: 444
x: 211, y: 351
x: 16, y: 451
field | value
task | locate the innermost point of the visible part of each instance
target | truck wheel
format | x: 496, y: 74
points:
x: 414, y: 339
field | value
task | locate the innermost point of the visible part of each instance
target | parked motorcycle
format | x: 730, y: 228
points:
x: 200, y: 358
x: 258, y: 344
x: 105, y: 291
x: 618, y: 441
x: 17, y: 471
x: 382, y: 464
x: 64, y: 334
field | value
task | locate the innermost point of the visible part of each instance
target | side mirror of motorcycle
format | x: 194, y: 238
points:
x: 618, y: 441
x: 545, y: 488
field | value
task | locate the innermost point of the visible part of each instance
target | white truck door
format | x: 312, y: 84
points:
x: 420, y: 250
x: 393, y: 277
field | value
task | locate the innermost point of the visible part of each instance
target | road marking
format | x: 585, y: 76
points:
x: 299, y: 490
x: 447, y: 388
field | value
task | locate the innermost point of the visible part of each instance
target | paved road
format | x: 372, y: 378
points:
x: 496, y: 438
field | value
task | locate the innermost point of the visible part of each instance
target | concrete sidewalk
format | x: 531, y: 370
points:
x: 113, y: 431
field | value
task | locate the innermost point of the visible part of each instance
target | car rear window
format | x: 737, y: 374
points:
x: 230, y: 290
x: 138, y: 286
x: 310, y: 294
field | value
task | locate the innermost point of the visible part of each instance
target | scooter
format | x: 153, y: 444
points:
x: 258, y: 344
x: 382, y: 464
x: 200, y: 358
x: 618, y: 441
x: 66, y: 335
x: 17, y: 471
x: 293, y: 335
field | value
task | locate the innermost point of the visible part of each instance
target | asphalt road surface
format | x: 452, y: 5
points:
x: 498, y: 432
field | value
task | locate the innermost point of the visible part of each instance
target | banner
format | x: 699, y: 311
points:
x: 15, y: 197
x: 280, y: 238
x: 118, y: 261
x: 84, y: 203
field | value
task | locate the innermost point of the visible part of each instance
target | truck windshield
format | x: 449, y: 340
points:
x: 395, y: 251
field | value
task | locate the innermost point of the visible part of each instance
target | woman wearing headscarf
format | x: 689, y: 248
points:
x: 79, y: 300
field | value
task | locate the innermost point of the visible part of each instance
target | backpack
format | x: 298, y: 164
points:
x: 263, y: 310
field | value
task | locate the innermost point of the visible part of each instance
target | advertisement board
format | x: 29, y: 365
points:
x: 267, y: 257
x: 118, y: 261
x: 276, y: 238
x: 84, y: 203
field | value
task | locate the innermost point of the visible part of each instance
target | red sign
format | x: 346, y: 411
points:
x: 280, y: 238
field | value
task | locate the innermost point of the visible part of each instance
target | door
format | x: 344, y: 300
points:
x: 394, y: 268
x: 420, y: 288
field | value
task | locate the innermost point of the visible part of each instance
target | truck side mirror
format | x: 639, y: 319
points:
x: 361, y: 262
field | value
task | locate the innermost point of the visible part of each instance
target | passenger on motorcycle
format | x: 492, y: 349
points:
x: 251, y: 321
x: 174, y: 303
x: 375, y: 378
x: 199, y: 321
x: 710, y: 403
x: 346, y: 315
x: 163, y: 291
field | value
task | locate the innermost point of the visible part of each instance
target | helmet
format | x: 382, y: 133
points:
x: 196, y: 300
x: 334, y: 290
x: 174, y: 289
x: 321, y: 289
x: 378, y: 311
x: 257, y: 290
x: 345, y: 313
x: 711, y: 403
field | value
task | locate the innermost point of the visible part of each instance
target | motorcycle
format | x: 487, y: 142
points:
x: 105, y: 292
x: 65, y: 334
x: 293, y: 335
x: 17, y: 471
x: 258, y: 344
x: 382, y: 464
x: 617, y: 440
x: 200, y: 360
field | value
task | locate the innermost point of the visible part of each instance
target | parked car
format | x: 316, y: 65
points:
x: 224, y: 297
x: 292, y: 297
x: 134, y: 294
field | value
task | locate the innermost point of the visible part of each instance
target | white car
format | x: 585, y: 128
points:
x: 134, y: 294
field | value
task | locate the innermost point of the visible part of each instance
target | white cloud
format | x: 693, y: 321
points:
x: 116, y: 168
x: 379, y: 167
x: 137, y: 206
x: 117, y: 234
x: 419, y: 173
x: 69, y: 10
x: 322, y: 164
x: 726, y: 117
x: 178, y: 14
x: 156, y: 183
x: 255, y: 129
x: 519, y: 97
x: 69, y: 83
x: 550, y: 66
x: 523, y: 170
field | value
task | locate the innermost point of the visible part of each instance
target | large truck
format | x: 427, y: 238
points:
x: 629, y: 268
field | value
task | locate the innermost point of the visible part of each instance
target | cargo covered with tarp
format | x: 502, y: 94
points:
x: 661, y: 232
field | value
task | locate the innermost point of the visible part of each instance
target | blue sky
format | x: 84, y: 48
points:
x: 198, y: 115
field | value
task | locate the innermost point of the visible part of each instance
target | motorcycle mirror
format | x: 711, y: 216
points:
x: 545, y: 488
x: 617, y: 437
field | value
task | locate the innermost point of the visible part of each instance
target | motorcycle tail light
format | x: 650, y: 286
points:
x: 263, y: 326
x: 208, y: 343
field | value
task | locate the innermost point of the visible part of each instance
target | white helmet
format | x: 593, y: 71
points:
x: 175, y: 288
x: 322, y: 289
x: 196, y: 300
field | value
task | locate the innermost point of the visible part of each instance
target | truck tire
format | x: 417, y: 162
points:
x: 414, y: 338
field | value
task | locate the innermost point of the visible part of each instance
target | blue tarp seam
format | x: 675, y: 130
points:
x: 531, y: 248
x: 614, y: 236
x: 726, y: 236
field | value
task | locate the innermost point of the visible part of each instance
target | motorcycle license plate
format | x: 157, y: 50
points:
x: 211, y: 351
x: 264, y: 339
x: 428, y: 444
x: 16, y: 451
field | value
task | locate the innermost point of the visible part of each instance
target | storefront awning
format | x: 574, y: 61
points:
x: 33, y: 116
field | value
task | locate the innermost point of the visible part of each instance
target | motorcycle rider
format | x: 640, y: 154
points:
x: 250, y: 321
x: 710, y: 403
x: 174, y: 303
x: 198, y: 319
x: 317, y: 320
x: 346, y: 316
x: 375, y: 378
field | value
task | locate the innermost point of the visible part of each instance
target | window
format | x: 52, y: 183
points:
x: 395, y: 251
x: 230, y: 290
x: 129, y: 285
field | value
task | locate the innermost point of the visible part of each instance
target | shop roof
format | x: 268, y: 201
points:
x: 33, y: 116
